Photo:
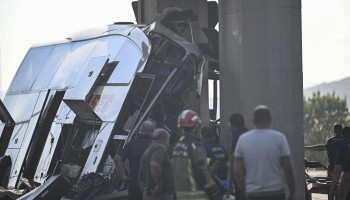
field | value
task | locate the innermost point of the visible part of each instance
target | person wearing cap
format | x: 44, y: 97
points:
x: 156, y: 174
x: 188, y: 155
x: 133, y: 152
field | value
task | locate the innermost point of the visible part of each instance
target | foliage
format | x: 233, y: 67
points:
x: 321, y: 113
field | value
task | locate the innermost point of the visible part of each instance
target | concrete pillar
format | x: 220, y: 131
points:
x: 149, y: 9
x: 261, y: 63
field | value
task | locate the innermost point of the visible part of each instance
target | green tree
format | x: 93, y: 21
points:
x: 321, y: 113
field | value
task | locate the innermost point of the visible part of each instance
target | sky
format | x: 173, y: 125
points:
x: 325, y: 24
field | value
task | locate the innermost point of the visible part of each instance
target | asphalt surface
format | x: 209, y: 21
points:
x: 318, y: 196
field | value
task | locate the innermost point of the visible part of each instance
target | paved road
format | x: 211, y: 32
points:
x: 319, y: 174
x: 319, y: 197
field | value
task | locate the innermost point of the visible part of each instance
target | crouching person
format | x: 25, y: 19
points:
x: 156, y: 174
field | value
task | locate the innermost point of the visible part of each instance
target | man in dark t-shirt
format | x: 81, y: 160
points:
x: 156, y: 173
x: 342, y: 164
x: 237, y: 127
x: 216, y: 151
x: 331, y: 147
x: 133, y: 152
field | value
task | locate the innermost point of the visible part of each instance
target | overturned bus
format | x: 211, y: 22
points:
x: 75, y: 102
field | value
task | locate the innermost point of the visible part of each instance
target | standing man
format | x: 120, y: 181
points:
x: 192, y: 178
x: 261, y: 156
x: 342, y: 164
x: 156, y: 174
x: 331, y: 147
x: 217, y: 151
x: 237, y: 128
x: 133, y: 151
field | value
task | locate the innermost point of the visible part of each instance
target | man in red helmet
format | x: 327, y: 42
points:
x: 192, y: 178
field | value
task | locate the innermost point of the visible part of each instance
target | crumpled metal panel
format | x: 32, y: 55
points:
x: 48, y: 151
x: 98, y: 149
x: 108, y: 101
x: 13, y: 153
x: 21, y: 139
x: 65, y: 115
x: 18, y: 136
x: 187, y: 46
x: 68, y: 67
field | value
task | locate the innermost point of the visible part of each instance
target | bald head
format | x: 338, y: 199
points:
x: 147, y: 127
x: 161, y: 135
x: 262, y: 117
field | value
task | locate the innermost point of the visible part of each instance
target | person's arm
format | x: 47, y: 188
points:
x: 287, y: 166
x: 335, y: 178
x: 200, y: 171
x: 156, y: 172
x: 238, y: 167
x: 319, y: 147
x: 120, y: 168
x: 232, y: 179
x: 213, y: 166
x: 239, y: 173
x: 228, y: 170
x: 227, y: 165
x: 289, y: 175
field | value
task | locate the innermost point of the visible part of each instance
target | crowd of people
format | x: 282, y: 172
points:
x: 197, y: 167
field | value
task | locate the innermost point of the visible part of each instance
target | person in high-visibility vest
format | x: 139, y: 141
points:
x: 189, y: 160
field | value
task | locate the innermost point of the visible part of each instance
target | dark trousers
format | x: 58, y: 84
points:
x: 134, y: 194
x: 238, y: 193
x: 270, y: 197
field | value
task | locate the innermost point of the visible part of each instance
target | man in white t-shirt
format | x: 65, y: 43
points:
x: 261, y: 161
